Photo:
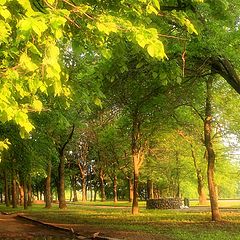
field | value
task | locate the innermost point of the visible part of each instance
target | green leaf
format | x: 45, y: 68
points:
x: 4, y: 144
x: 141, y: 40
x: 5, y: 13
x: 150, y: 9
x: 37, y: 105
x: 190, y: 27
x: 34, y: 49
x: 26, y: 63
x: 98, y: 102
x: 151, y: 50
x: 5, y: 31
x: 51, y: 2
x: 53, y: 51
x: 139, y: 65
x: 155, y: 75
x: 107, y: 25
x: 57, y: 88
x: 2, y: 2
x: 24, y: 25
x: 21, y: 119
x: 106, y: 53
x: 156, y: 50
x: 156, y: 3
x: 39, y: 26
x: 27, y: 6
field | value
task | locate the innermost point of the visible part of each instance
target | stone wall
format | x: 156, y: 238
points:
x: 164, y: 203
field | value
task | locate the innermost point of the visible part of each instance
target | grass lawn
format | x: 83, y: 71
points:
x: 160, y: 224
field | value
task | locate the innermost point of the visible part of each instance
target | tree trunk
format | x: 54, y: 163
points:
x: 74, y: 188
x: 48, y: 195
x: 137, y: 157
x: 6, y: 188
x: 102, y: 185
x: 61, y: 171
x: 222, y: 66
x: 201, y: 193
x: 90, y: 186
x: 149, y: 189
x: 30, y: 191
x: 135, y: 208
x: 130, y: 185
x: 21, y: 194
x: 14, y: 192
x: 84, y: 188
x: 210, y: 153
x: 25, y: 194
x: 177, y: 191
x: 115, y: 189
x: 95, y: 195
x: 61, y: 182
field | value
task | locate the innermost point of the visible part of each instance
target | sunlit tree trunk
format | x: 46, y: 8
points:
x: 84, y: 189
x: 210, y: 153
x: 137, y: 158
x: 130, y: 186
x: 21, y: 194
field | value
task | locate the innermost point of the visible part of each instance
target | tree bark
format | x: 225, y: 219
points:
x: 102, y: 185
x: 21, y: 194
x: 61, y: 172
x: 149, y: 189
x: 115, y: 189
x: 201, y: 193
x: 130, y: 184
x: 61, y: 183
x: 14, y: 192
x: 210, y: 153
x: 177, y: 189
x: 223, y: 67
x: 135, y: 208
x: 74, y: 188
x: 48, y: 195
x: 84, y: 189
x: 29, y: 191
x: 137, y: 158
x: 25, y: 194
x: 6, y: 188
x: 83, y: 173
x: 83, y: 166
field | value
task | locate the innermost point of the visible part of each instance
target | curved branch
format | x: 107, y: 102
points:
x: 223, y: 67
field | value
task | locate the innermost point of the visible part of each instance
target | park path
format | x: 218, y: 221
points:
x: 14, y: 227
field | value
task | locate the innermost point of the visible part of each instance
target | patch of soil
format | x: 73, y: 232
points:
x: 11, y: 227
x: 89, y: 231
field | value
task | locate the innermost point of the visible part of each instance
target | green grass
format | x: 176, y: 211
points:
x: 172, y: 224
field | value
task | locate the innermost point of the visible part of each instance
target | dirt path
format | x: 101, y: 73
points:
x: 13, y: 227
